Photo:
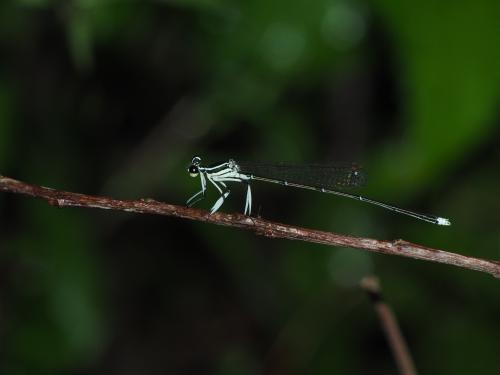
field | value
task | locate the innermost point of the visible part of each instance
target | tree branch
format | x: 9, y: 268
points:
x: 390, y: 326
x: 262, y: 227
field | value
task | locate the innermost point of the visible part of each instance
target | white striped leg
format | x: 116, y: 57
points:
x: 224, y: 176
x: 219, y: 202
x: 196, y: 198
x: 224, y: 195
x: 248, y: 201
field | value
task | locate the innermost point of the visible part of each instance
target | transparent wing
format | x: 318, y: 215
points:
x: 328, y: 176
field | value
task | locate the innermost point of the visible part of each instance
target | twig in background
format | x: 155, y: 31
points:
x: 262, y: 227
x: 389, y: 324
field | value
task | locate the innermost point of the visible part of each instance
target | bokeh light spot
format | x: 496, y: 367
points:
x: 343, y: 26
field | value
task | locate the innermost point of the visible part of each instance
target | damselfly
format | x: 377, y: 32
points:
x: 325, y: 178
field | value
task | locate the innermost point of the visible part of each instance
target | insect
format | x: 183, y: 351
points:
x: 325, y: 178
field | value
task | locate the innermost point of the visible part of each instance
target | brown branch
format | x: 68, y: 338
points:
x: 262, y: 227
x: 389, y: 324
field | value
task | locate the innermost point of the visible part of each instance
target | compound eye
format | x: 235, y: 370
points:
x: 193, y: 170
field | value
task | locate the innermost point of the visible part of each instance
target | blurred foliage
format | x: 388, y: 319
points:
x: 450, y: 62
x: 114, y: 97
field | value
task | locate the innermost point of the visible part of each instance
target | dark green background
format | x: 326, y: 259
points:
x: 115, y: 97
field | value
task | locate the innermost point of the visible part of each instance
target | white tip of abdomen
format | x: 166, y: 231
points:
x: 443, y: 221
